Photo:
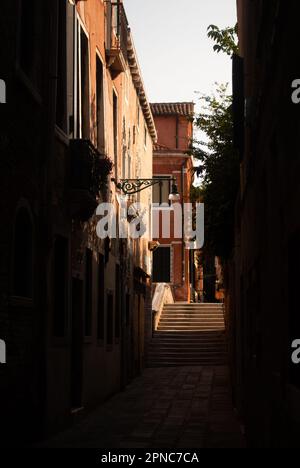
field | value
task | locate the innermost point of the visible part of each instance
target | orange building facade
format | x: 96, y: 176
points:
x: 171, y: 260
x: 75, y: 312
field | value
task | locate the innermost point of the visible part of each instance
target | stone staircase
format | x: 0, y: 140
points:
x: 189, y: 335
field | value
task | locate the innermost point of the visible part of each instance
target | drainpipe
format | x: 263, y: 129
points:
x: 182, y: 220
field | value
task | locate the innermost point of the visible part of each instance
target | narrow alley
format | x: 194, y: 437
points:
x: 178, y: 407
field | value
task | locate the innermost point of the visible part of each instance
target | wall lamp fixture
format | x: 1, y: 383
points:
x: 130, y: 186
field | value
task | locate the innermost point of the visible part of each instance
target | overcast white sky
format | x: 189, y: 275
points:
x: 175, y: 55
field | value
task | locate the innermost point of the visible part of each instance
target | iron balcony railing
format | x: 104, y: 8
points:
x: 89, y: 171
x: 84, y: 161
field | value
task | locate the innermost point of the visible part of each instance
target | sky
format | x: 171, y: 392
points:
x: 175, y: 55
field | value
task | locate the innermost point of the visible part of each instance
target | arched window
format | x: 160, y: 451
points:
x: 23, y: 255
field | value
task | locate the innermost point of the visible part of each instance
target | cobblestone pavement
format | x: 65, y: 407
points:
x: 183, y: 407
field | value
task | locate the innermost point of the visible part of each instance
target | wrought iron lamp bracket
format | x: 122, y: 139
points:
x: 131, y: 186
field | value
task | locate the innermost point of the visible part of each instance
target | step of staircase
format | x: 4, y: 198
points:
x: 189, y: 335
x: 195, y: 305
x: 208, y: 327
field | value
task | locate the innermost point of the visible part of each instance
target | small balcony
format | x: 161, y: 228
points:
x: 116, y: 37
x: 89, y: 170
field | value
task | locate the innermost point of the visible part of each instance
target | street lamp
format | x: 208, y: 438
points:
x: 130, y: 186
x: 174, y: 195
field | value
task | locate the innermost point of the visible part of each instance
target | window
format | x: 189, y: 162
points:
x: 162, y: 265
x: 109, y: 318
x: 30, y: 53
x: 161, y: 191
x: 60, y: 281
x: 100, y: 104
x: 61, y: 89
x: 115, y: 130
x: 83, y: 85
x: 88, y: 292
x: 100, y: 309
x: 118, y: 291
x: 145, y: 136
x: 23, y: 255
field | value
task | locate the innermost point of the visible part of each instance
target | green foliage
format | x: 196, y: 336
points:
x: 219, y: 170
x: 218, y: 159
x: 196, y: 194
x: 225, y: 39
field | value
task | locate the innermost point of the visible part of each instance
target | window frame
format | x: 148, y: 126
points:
x: 100, y: 146
x: 163, y: 177
x: 78, y: 129
x: 116, y: 129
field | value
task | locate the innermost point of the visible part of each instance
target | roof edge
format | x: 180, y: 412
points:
x: 185, y: 108
x: 140, y: 87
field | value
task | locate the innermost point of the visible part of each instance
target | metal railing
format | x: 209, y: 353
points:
x: 85, y: 166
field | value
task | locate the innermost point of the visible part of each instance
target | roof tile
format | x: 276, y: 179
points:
x: 173, y: 108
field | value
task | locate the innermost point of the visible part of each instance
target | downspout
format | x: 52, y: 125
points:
x: 182, y: 226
